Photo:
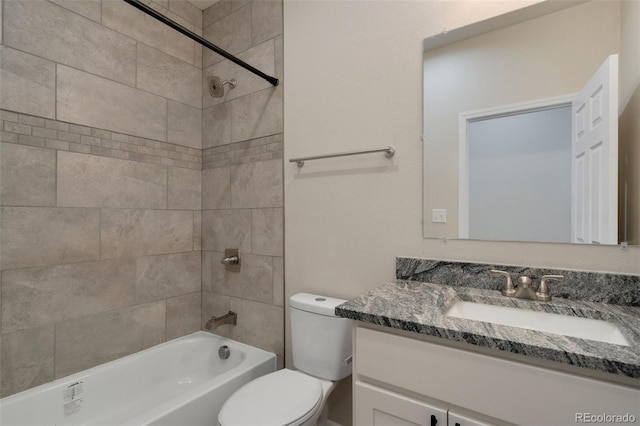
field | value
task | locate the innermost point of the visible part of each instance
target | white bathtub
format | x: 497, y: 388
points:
x: 182, y: 382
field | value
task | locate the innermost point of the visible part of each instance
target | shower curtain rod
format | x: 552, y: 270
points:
x: 149, y: 11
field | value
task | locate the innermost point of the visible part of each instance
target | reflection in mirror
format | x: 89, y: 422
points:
x: 532, y: 143
x: 502, y: 158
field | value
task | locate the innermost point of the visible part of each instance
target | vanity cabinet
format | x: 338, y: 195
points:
x: 399, y: 380
x: 456, y: 419
x: 376, y: 406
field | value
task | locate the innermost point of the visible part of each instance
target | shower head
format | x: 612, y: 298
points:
x: 216, y: 86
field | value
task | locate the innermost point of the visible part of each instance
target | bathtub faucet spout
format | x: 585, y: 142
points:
x: 215, y: 322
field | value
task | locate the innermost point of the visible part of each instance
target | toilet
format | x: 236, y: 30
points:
x: 321, y: 344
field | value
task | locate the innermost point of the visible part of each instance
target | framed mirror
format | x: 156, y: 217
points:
x: 531, y: 128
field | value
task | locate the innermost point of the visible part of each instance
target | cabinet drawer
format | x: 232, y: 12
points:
x: 379, y: 407
x: 503, y: 389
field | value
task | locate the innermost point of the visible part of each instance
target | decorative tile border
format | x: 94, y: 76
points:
x: 587, y: 286
x: 260, y: 149
x: 45, y: 133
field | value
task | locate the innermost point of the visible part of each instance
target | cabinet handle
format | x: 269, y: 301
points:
x: 434, y: 421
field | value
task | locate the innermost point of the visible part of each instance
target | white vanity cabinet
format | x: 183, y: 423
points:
x: 456, y: 419
x: 399, y: 380
x: 376, y: 406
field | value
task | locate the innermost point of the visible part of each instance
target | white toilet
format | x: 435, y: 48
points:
x: 321, y: 344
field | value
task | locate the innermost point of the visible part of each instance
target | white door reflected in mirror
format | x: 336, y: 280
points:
x: 542, y: 170
x: 594, y: 158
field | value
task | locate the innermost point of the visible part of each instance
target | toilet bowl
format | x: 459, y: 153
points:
x: 321, y: 344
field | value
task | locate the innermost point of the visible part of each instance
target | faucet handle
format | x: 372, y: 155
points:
x: 508, y: 289
x: 543, y: 289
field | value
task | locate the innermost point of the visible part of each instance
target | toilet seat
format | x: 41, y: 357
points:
x: 285, y: 397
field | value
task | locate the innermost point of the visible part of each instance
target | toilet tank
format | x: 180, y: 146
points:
x: 321, y: 341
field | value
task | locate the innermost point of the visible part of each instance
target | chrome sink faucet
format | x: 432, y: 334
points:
x: 523, y: 289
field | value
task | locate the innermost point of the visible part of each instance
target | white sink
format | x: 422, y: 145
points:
x: 583, y: 328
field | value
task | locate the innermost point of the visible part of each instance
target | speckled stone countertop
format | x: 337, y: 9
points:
x: 421, y: 308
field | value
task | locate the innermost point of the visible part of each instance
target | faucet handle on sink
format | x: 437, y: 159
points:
x: 543, y: 289
x: 508, y: 289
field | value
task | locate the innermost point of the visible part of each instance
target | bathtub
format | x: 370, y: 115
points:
x: 181, y: 382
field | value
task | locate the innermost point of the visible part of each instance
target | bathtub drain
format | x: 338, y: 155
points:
x: 224, y: 352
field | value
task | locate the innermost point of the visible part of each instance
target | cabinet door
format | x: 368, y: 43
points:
x: 378, y: 407
x: 460, y: 420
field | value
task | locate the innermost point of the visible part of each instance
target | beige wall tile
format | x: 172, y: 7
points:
x: 259, y: 324
x: 185, y: 189
x: 52, y: 32
x: 127, y: 232
x: 28, y: 83
x: 128, y: 20
x: 261, y: 57
x: 46, y: 295
x: 183, y: 315
x: 184, y: 125
x: 223, y: 229
x: 93, y: 101
x: 187, y: 10
x: 27, y: 176
x: 39, y: 236
x: 216, y: 12
x: 267, y: 232
x: 266, y: 20
x: 206, y: 269
x: 160, y: 277
x: 163, y: 3
x: 168, y: 77
x: 91, y: 9
x: 257, y: 184
x: 253, y: 282
x: 26, y: 360
x: 199, y: 49
x: 237, y: 4
x: 197, y: 230
x: 256, y: 115
x: 279, y: 56
x: 216, y: 188
x: 231, y: 33
x: 93, y: 181
x: 278, y: 281
x: 216, y: 125
x: 107, y: 336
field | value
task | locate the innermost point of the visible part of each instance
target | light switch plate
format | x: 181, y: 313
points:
x: 439, y: 215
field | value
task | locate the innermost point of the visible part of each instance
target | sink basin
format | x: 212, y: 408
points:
x: 583, y: 328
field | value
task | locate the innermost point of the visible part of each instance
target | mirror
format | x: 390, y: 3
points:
x: 501, y: 140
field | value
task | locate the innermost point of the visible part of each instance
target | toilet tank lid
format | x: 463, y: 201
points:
x: 315, y: 303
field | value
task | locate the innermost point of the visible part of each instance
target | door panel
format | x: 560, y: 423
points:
x: 595, y: 158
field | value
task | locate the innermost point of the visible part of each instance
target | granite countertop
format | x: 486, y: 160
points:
x: 420, y: 307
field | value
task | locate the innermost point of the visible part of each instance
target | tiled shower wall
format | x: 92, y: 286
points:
x: 242, y: 174
x: 101, y: 162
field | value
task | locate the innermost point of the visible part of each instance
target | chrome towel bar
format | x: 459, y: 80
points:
x: 388, y: 150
